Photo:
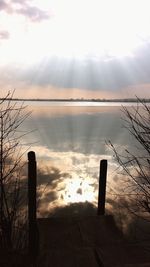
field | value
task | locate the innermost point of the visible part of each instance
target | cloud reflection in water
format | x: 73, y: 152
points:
x: 71, y: 143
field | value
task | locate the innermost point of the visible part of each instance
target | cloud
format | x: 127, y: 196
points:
x: 34, y: 13
x: 4, y: 35
x: 51, y: 177
x: 89, y: 74
x: 3, y: 5
x: 65, y: 77
x: 6, y: 6
x: 20, y: 1
x: 50, y: 184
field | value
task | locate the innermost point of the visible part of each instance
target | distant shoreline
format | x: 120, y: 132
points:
x: 126, y: 100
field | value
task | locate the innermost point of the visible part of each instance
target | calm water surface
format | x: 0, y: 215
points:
x: 69, y: 141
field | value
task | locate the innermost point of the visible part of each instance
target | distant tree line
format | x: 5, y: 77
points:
x: 122, y: 100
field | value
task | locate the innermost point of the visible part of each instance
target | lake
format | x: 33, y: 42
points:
x: 69, y: 140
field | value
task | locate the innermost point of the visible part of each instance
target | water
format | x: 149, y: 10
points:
x: 69, y: 141
x: 79, y: 103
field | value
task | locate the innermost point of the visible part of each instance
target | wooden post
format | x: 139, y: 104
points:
x: 32, y: 180
x: 102, y: 187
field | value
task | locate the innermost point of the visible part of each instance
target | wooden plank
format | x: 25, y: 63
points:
x: 84, y: 257
x: 90, y: 231
x: 92, y: 242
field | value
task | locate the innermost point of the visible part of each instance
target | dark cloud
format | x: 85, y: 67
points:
x: 49, y: 197
x: 48, y: 178
x: 88, y: 74
x: 91, y: 74
x: 4, y: 35
x: 34, y: 13
x: 3, y: 5
x: 51, y: 177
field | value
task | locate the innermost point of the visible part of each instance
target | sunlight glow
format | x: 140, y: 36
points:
x: 79, y: 190
x: 77, y: 29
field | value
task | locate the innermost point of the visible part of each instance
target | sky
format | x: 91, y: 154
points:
x: 74, y: 49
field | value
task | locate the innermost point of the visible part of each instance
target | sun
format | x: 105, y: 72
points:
x: 78, y: 190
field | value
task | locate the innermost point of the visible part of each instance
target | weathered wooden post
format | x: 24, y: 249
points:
x: 32, y: 180
x: 102, y: 187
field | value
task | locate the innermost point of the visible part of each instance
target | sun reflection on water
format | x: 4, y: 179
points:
x: 79, y: 189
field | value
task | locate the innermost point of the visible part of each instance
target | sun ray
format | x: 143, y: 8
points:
x: 77, y: 29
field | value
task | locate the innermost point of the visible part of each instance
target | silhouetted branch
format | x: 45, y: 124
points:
x: 136, y: 165
x: 12, y: 116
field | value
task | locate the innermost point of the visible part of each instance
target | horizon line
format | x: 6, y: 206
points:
x: 79, y: 99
